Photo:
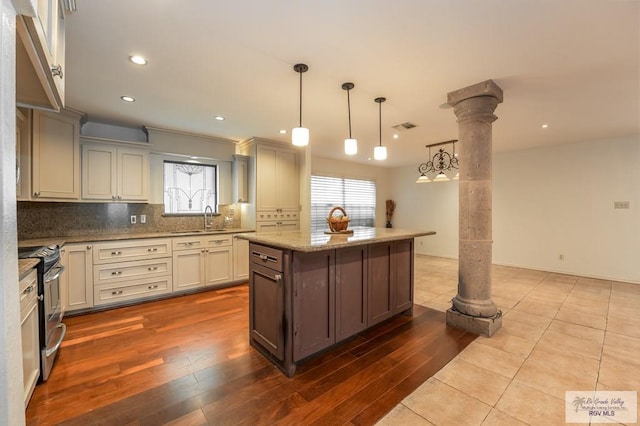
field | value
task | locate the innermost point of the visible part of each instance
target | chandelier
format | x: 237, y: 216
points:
x: 441, y: 162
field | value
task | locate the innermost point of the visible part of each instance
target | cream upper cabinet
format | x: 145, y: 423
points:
x: 40, y: 56
x: 241, y: 179
x: 55, y: 156
x: 23, y: 154
x: 114, y: 173
x: 276, y: 179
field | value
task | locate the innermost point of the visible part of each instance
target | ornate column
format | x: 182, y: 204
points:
x: 473, y: 309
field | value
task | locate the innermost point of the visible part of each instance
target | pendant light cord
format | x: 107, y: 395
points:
x: 349, y: 109
x: 300, y: 99
x: 380, y: 120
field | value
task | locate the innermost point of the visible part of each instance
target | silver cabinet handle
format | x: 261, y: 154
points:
x: 29, y: 289
x: 116, y: 273
x: 152, y: 287
x: 154, y: 249
x: 115, y: 253
x: 116, y: 293
x: 56, y: 70
x: 88, y: 247
x: 36, y: 194
x: 152, y: 268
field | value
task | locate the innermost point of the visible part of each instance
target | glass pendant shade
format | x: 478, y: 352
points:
x: 380, y: 153
x: 423, y: 179
x: 300, y: 136
x: 441, y: 177
x: 350, y: 146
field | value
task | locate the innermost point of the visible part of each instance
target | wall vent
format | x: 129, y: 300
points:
x: 404, y: 126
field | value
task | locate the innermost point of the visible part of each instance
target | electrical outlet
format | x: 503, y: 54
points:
x: 620, y: 204
x: 143, y: 218
x: 561, y: 257
x: 133, y: 219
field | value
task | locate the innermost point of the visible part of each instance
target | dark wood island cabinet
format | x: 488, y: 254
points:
x: 309, y: 291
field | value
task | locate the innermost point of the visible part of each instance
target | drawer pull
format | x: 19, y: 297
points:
x: 115, y: 253
x: 29, y: 289
x: 152, y: 268
x: 116, y: 293
x: 264, y: 257
x: 152, y: 249
x: 116, y: 273
x: 152, y: 287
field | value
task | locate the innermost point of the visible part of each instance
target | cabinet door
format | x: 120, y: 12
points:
x: 403, y: 276
x: 380, y: 294
x: 218, y: 265
x: 30, y: 348
x: 266, y: 309
x: 133, y: 175
x: 241, y: 179
x: 98, y: 172
x: 23, y: 154
x: 56, y: 156
x: 188, y: 269
x: 77, y: 280
x: 266, y: 180
x: 287, y: 181
x: 240, y: 259
x: 313, y: 302
x: 351, y: 291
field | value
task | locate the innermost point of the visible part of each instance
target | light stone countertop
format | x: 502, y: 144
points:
x: 25, y: 266
x: 306, y: 241
x: 61, y: 240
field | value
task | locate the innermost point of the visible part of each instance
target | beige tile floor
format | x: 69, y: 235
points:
x: 559, y: 333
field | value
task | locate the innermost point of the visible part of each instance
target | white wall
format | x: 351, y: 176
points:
x: 11, y: 390
x: 381, y: 175
x: 546, y: 202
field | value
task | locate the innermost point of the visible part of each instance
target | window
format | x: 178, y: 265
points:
x: 189, y: 188
x: 357, y: 197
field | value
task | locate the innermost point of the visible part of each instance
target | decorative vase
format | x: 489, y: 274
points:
x: 389, y: 225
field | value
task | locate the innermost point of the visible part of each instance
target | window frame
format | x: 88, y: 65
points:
x: 216, y: 187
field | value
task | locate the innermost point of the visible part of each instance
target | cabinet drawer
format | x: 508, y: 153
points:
x: 188, y: 243
x: 131, y: 250
x: 217, y: 240
x: 276, y: 215
x: 265, y: 256
x: 28, y: 289
x: 113, y: 293
x: 125, y: 271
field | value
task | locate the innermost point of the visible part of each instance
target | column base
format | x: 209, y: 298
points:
x: 476, y: 325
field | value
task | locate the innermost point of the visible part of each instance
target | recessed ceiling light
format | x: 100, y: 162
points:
x: 219, y: 118
x: 544, y: 126
x: 283, y: 132
x: 395, y: 136
x: 128, y: 98
x: 138, y: 60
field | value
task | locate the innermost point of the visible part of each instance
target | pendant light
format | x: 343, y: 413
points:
x: 350, y: 144
x: 300, y: 135
x: 380, y: 151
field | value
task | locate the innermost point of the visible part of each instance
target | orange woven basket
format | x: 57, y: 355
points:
x: 338, y: 223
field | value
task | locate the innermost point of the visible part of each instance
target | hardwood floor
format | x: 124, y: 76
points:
x: 187, y: 361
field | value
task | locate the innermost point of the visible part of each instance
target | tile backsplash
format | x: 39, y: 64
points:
x: 44, y: 219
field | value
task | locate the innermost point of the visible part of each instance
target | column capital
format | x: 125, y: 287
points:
x: 485, y: 88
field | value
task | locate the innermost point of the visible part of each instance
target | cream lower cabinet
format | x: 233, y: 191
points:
x: 114, y: 173
x: 240, y: 259
x: 124, y: 271
x: 201, y: 261
x: 30, y: 333
x: 76, y: 283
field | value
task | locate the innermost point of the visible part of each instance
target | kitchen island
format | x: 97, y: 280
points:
x: 309, y: 290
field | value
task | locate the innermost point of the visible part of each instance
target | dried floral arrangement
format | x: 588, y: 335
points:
x: 391, y: 206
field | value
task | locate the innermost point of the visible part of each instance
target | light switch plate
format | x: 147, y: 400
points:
x: 620, y: 204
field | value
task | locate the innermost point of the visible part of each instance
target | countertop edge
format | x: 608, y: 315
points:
x: 338, y: 241
x: 62, y: 240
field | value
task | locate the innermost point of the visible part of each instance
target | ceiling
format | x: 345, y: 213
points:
x: 572, y: 64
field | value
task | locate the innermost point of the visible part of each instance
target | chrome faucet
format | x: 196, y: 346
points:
x: 208, y: 225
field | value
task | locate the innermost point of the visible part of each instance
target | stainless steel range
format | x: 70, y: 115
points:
x: 52, y: 329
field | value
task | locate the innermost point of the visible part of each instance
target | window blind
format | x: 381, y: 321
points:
x: 357, y: 197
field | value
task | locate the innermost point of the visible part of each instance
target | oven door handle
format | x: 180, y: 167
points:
x: 59, y: 270
x: 55, y: 347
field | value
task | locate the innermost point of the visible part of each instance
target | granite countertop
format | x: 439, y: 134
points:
x: 306, y: 241
x: 61, y: 240
x: 25, y: 266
